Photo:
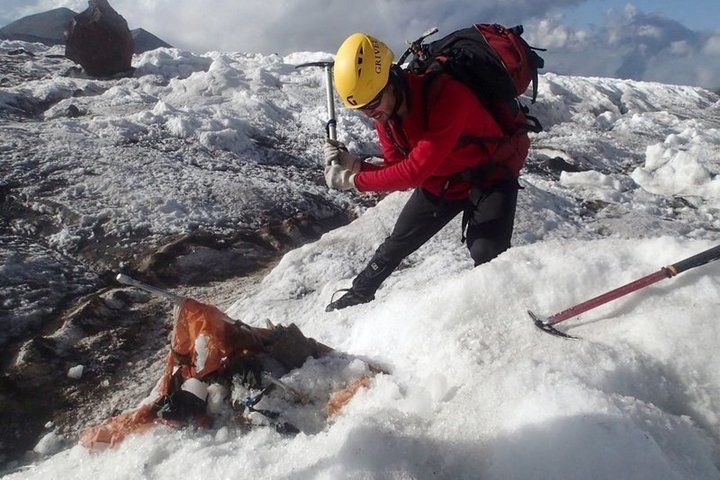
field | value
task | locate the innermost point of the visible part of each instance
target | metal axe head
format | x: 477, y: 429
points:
x: 329, y: 64
x: 544, y: 324
x: 331, y: 125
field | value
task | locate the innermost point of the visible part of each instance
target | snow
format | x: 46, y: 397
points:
x: 49, y: 444
x: 201, y: 351
x: 474, y: 390
x: 75, y: 372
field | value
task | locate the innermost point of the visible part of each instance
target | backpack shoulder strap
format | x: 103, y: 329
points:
x: 430, y: 89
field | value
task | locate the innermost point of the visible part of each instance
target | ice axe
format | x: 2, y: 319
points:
x: 416, y: 47
x: 126, y: 280
x: 546, y: 324
x: 175, y: 299
x: 331, y: 125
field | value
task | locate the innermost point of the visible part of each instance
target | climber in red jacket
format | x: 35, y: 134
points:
x: 438, y: 138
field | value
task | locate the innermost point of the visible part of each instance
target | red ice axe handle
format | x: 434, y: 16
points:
x: 701, y: 258
x: 609, y: 296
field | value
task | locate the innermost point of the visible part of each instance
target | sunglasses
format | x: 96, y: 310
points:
x: 374, y: 103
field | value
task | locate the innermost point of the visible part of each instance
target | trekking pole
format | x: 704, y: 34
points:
x: 331, y: 125
x: 546, y: 323
x: 126, y: 280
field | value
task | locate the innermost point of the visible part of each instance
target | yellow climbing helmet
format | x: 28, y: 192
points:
x: 361, y: 70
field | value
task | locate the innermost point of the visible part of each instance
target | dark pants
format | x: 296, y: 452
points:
x: 490, y: 214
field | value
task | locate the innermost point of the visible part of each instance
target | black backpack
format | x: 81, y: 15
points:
x: 495, y: 62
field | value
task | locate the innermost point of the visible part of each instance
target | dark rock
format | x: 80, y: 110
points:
x: 551, y: 166
x: 73, y: 111
x: 21, y: 51
x: 99, y: 39
x: 559, y: 164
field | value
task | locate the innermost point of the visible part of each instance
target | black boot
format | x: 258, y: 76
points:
x: 365, y: 284
x: 350, y: 298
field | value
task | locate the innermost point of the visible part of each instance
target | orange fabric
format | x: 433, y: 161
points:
x: 113, y: 430
x: 226, y: 339
x: 340, y: 398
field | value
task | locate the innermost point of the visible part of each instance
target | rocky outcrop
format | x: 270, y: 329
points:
x: 100, y: 41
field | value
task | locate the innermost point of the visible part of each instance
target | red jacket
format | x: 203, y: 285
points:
x: 429, y: 136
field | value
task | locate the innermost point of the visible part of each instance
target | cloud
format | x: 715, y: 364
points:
x: 630, y: 44
x: 654, y: 31
x: 627, y: 43
x: 712, y: 46
x: 681, y: 48
x: 553, y: 34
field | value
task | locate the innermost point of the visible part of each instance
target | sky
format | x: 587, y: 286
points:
x: 473, y: 389
x: 672, y: 41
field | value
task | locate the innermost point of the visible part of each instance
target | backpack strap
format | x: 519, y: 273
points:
x: 399, y: 83
x: 427, y: 82
x: 536, y: 63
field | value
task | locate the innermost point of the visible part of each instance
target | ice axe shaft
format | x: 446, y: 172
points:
x: 609, y: 296
x: 332, y: 122
x: 331, y: 125
x: 546, y: 323
x: 126, y: 280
